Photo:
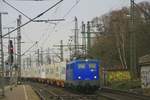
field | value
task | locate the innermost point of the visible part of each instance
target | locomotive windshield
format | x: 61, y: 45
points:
x: 92, y: 66
x: 81, y: 66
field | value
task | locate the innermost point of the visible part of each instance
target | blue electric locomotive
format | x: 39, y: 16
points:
x: 83, y: 74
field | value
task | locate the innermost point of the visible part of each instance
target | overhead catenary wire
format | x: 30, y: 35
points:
x: 42, y: 35
x: 37, y: 41
x: 31, y: 0
x: 30, y: 48
x: 16, y: 9
x: 66, y: 14
x: 46, y: 21
x: 33, y: 18
x: 29, y: 22
x: 71, y: 8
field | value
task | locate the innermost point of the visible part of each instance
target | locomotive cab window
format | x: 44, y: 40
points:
x: 92, y: 66
x: 81, y: 66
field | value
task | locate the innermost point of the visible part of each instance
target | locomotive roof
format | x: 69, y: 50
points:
x: 82, y: 60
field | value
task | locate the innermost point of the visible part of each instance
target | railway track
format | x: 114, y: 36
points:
x: 46, y: 92
x: 112, y: 94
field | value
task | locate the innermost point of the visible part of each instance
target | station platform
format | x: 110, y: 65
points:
x: 20, y: 92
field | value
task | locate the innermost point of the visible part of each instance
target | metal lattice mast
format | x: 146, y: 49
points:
x: 30, y: 60
x: 61, y: 46
x: 41, y: 56
x: 19, y: 46
x: 38, y: 57
x: 61, y: 50
x: 133, y: 56
x: 88, y: 37
x: 76, y: 36
x: 1, y: 58
x: 83, y: 37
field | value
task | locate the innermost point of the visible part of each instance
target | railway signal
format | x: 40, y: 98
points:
x: 11, y: 52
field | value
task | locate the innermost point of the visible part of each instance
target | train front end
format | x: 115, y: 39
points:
x: 83, y: 75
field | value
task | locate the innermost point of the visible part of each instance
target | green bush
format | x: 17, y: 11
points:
x: 126, y: 85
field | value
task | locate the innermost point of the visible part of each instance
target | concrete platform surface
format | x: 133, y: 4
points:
x: 20, y: 92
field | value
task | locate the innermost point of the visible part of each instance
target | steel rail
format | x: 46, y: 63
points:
x: 113, y: 94
x: 47, y: 93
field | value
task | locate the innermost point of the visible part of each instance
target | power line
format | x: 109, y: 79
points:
x: 67, y: 13
x: 71, y: 8
x: 33, y: 45
x: 16, y: 9
x: 29, y: 22
x: 46, y: 21
x: 31, y: 0
x: 30, y: 48
x: 33, y: 18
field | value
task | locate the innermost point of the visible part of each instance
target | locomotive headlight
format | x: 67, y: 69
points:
x: 92, y: 70
x: 95, y: 77
x: 79, y: 77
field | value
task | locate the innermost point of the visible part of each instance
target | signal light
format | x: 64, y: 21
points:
x: 10, y: 47
x: 10, y: 51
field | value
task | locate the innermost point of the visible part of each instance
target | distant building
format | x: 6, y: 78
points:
x: 145, y: 71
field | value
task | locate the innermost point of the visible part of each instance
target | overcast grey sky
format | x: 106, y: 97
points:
x: 85, y: 10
